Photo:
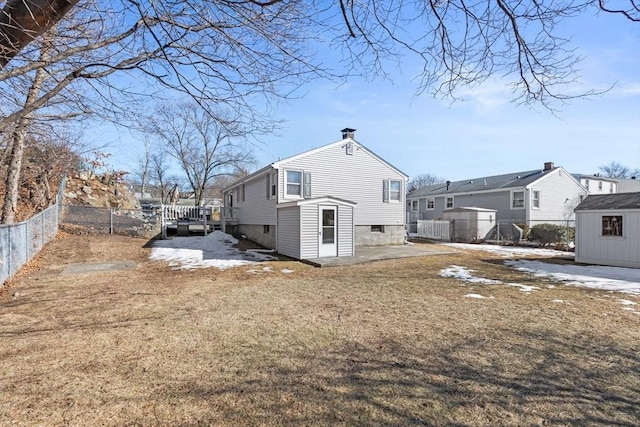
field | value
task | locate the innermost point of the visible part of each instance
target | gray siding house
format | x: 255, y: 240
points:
x: 608, y: 230
x: 319, y: 203
x: 546, y: 195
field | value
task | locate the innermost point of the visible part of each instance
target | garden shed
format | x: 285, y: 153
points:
x: 315, y: 228
x: 471, y: 223
x: 608, y: 230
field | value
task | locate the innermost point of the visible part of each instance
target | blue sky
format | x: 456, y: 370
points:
x: 482, y: 134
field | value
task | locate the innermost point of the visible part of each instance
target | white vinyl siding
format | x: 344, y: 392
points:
x: 345, y: 231
x: 559, y: 195
x: 256, y: 209
x: 309, y: 231
x: 357, y: 177
x: 289, y: 231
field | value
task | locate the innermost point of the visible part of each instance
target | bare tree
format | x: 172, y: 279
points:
x: 158, y: 173
x: 144, y: 166
x: 458, y: 42
x: 618, y: 170
x: 422, y: 180
x: 205, y: 146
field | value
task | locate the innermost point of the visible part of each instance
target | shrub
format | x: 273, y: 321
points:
x: 549, y: 234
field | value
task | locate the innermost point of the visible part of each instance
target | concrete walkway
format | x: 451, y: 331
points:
x: 366, y: 254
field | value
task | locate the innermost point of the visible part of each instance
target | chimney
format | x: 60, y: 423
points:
x: 548, y: 166
x: 348, y: 133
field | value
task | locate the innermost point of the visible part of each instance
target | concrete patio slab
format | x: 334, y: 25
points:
x: 366, y: 254
x: 98, y: 267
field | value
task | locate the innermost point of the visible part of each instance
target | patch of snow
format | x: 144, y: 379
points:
x: 559, y: 301
x: 511, y: 251
x: 214, y: 250
x: 618, y: 279
x: 524, y: 288
x: 478, y: 296
x: 627, y: 302
x: 464, y: 274
x: 286, y: 271
x: 628, y: 308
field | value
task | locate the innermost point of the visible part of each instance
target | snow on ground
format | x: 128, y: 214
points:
x: 214, y: 250
x: 589, y: 276
x: 618, y: 279
x: 464, y: 274
x: 477, y: 296
x: 511, y: 251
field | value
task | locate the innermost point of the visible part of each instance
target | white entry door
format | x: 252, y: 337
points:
x: 328, y: 233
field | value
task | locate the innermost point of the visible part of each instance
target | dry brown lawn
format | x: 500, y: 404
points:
x: 387, y: 343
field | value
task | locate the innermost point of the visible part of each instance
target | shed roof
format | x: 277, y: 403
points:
x: 610, y: 201
x: 510, y: 180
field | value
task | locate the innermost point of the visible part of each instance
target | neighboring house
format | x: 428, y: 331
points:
x: 596, y: 184
x: 608, y: 230
x: 631, y: 185
x: 323, y: 202
x: 546, y: 195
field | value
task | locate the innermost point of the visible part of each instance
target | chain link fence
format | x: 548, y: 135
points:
x: 22, y: 241
x: 95, y: 220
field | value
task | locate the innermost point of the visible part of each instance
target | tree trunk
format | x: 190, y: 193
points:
x: 10, y: 204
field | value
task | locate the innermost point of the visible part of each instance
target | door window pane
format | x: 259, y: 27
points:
x: 328, y: 226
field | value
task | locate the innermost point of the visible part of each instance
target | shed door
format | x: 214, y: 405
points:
x: 328, y: 233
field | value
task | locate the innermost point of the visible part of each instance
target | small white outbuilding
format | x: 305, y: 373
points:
x: 608, y: 230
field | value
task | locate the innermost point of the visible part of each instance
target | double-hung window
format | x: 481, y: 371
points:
x: 535, y: 199
x: 431, y: 203
x: 449, y: 202
x: 294, y: 184
x: 391, y: 190
x: 517, y: 199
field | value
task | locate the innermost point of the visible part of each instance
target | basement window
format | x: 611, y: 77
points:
x: 377, y: 228
x: 266, y: 229
x: 612, y: 225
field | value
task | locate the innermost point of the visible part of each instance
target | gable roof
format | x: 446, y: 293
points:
x: 496, y: 182
x: 278, y: 163
x: 333, y: 144
x: 610, y: 201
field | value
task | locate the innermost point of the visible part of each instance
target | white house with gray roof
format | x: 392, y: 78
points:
x: 546, y: 195
x: 608, y: 230
x: 319, y: 203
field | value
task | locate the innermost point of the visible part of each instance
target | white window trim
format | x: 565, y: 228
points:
x: 453, y: 202
x: 433, y: 199
x: 286, y: 184
x: 273, y: 181
x: 533, y: 206
x: 399, y: 200
x: 241, y: 193
x: 511, y: 199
